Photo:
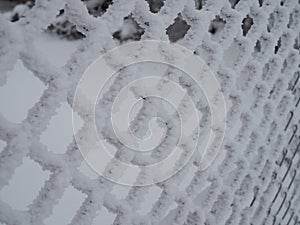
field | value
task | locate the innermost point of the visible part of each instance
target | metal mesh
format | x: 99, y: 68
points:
x: 253, y: 48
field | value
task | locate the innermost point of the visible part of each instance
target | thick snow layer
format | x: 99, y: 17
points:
x: 251, y: 46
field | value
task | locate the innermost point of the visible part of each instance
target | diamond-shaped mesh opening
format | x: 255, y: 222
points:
x: 155, y: 5
x: 97, y: 8
x: 120, y: 191
x: 19, y: 9
x: 64, y: 212
x: 20, y: 93
x: 282, y: 2
x: 232, y: 54
x: 279, y: 203
x: 294, y: 81
x: 194, y: 218
x: 291, y: 20
x: 200, y: 3
x: 289, y: 181
x: 178, y: 29
x: 247, y: 24
x: 130, y: 30
x: 188, y: 178
x: 104, y: 217
x: 153, y: 193
x: 7, y: 6
x: 266, y: 71
x: 21, y: 190
x: 88, y: 171
x: 216, y: 25
x: 2, y: 145
x: 170, y: 213
x: 64, y: 28
x: 257, y: 48
x: 59, y: 133
x: 51, y: 46
x: 297, y: 44
x: 284, y: 66
x: 233, y: 3
x: 271, y: 22
x: 277, y: 47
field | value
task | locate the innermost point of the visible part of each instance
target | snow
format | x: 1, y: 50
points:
x: 15, y: 104
x: 39, y: 71
x: 58, y: 137
x: 22, y: 189
x: 65, y: 209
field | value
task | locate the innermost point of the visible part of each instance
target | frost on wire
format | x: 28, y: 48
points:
x: 253, y: 48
